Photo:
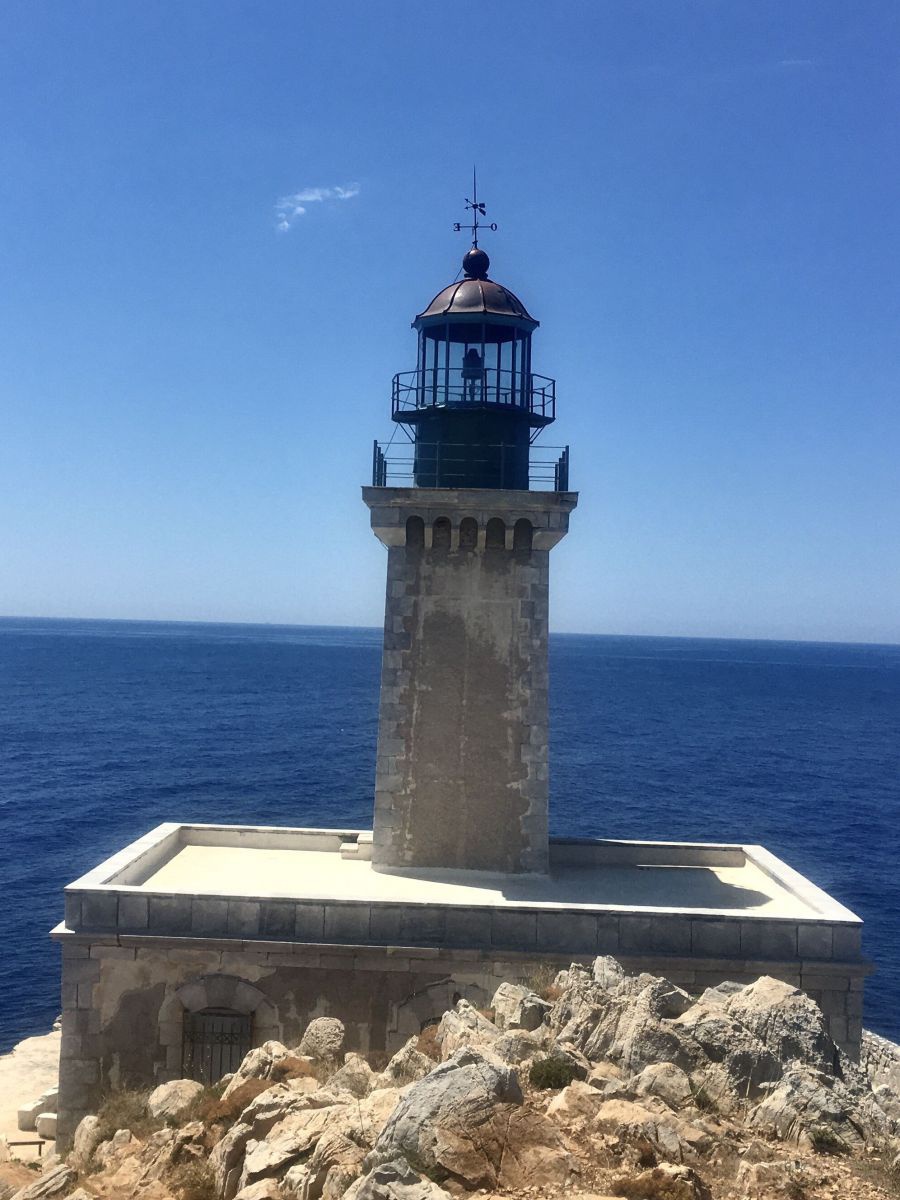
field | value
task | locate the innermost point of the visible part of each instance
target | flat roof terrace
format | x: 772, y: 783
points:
x: 319, y: 886
x: 319, y: 874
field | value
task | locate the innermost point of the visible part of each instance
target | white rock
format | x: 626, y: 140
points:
x: 518, y: 1046
x: 265, y: 1189
x: 435, y: 1123
x: 665, y: 1080
x: 578, y: 1100
x: 272, y: 1106
x: 763, y: 1179
x: 323, y: 1039
x: 607, y: 973
x: 666, y: 1179
x: 665, y: 1133
x: 395, y: 1180
x: 518, y: 1007
x: 786, y: 1021
x: 57, y: 1182
x: 226, y: 1159
x: 172, y: 1100
x: 28, y: 1114
x: 355, y: 1077
x: 407, y: 1065
x: 45, y: 1125
x: 465, y: 1026
x: 85, y: 1142
x: 107, y: 1152
x: 258, y: 1064
x: 47, y: 1102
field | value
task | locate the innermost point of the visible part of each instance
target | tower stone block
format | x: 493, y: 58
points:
x: 462, y: 770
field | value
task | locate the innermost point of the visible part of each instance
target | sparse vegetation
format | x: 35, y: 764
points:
x: 127, y: 1109
x: 195, y: 1181
x: 541, y: 982
x: 547, y: 1073
x: 428, y: 1042
x: 211, y: 1108
x: 378, y: 1059
x: 293, y: 1067
x: 202, y: 1105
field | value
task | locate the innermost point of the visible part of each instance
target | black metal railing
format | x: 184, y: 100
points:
x: 443, y: 387
x: 438, y: 464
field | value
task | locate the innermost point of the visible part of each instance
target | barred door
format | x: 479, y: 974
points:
x: 215, y: 1043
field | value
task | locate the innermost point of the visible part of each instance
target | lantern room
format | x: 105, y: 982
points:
x: 473, y: 405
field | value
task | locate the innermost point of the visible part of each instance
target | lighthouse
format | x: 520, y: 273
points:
x: 469, y: 509
x: 212, y: 939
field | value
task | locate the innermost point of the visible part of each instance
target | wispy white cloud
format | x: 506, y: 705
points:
x: 290, y: 208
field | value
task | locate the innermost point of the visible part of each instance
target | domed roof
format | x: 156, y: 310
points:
x: 476, y: 295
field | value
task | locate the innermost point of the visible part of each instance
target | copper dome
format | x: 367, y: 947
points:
x: 476, y: 295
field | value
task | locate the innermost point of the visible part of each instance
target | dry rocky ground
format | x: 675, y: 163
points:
x: 604, y: 1086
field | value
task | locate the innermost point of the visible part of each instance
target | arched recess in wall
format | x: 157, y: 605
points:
x: 440, y: 534
x: 468, y: 533
x: 205, y: 1024
x: 495, y: 534
x: 523, y: 534
x: 415, y: 533
x: 425, y: 1007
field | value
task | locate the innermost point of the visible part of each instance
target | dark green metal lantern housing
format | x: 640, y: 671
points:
x: 473, y: 402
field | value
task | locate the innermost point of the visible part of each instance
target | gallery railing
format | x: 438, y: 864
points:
x: 439, y: 387
x: 439, y: 464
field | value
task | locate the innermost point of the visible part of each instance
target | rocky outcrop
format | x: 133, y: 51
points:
x: 465, y: 1026
x: 407, y: 1065
x: 259, y: 1064
x: 395, y: 1181
x: 621, y: 1086
x: 440, y: 1125
x: 56, y: 1183
x: 355, y: 1077
x: 664, y: 1182
x: 786, y: 1021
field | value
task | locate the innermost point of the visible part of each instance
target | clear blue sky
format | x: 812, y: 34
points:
x: 699, y: 201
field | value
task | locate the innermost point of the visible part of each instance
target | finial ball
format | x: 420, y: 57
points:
x: 475, y: 264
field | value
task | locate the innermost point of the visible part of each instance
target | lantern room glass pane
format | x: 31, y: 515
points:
x: 473, y: 363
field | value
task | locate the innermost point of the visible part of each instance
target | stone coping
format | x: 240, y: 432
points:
x: 327, y: 893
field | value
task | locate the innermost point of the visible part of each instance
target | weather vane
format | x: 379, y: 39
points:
x: 477, y: 210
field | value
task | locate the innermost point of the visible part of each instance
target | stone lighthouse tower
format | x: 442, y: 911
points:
x: 468, y: 511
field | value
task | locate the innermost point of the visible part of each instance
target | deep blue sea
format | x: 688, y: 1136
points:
x: 108, y: 728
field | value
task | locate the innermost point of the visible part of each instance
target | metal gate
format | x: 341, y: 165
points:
x: 215, y: 1043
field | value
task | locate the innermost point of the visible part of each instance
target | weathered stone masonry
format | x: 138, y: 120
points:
x: 134, y: 964
x: 462, y: 764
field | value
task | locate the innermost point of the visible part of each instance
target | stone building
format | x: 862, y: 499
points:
x: 198, y: 941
